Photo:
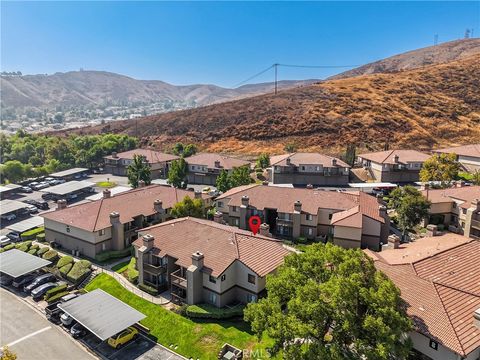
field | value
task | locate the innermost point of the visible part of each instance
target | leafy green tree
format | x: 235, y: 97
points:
x: 440, y: 167
x: 178, y: 149
x: 350, y: 154
x: 223, y: 182
x: 410, y: 205
x: 290, y: 147
x: 12, y: 171
x: 188, y: 207
x: 331, y: 303
x: 263, y: 161
x: 476, y: 177
x: 240, y: 176
x: 177, y: 174
x: 138, y: 170
x: 189, y: 150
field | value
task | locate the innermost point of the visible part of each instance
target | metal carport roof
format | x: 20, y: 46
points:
x: 101, y: 313
x: 8, y: 206
x: 69, y: 172
x: 68, y: 187
x: 17, y: 263
x: 24, y: 225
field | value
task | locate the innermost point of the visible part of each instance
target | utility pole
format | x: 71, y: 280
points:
x: 435, y: 40
x: 275, y: 66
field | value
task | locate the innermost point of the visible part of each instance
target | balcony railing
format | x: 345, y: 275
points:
x: 154, y: 269
x: 178, y: 280
x: 284, y: 221
x: 476, y: 224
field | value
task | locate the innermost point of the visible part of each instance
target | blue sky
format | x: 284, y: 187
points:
x: 220, y: 42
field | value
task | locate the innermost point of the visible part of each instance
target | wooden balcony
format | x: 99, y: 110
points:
x: 177, y: 280
x: 153, y: 269
x: 476, y: 224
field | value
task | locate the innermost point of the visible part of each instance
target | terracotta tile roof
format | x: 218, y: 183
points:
x: 152, y: 156
x: 472, y: 150
x: 220, y: 244
x: 208, y: 159
x: 298, y: 159
x: 466, y: 194
x: 388, y: 157
x: 349, y: 218
x: 442, y: 292
x: 95, y: 215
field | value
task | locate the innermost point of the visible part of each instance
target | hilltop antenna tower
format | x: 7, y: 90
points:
x: 467, y: 34
x: 435, y: 40
x: 276, y: 76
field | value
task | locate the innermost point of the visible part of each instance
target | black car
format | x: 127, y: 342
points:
x: 41, y: 290
x: 39, y: 280
x: 43, y: 205
x: 24, y: 280
x: 5, y: 279
x: 78, y: 331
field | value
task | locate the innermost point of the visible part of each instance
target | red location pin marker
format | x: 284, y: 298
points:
x: 254, y: 223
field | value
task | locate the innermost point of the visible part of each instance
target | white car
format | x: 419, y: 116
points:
x: 66, y: 319
x: 9, y: 217
x: 4, y: 241
x: 32, y: 209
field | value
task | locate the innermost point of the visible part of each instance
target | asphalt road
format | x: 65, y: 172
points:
x: 31, y: 336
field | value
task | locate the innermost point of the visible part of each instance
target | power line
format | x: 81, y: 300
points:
x: 319, y: 66
x: 253, y: 76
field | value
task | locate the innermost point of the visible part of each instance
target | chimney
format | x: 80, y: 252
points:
x: 265, y: 230
x: 288, y: 161
x: 107, y: 194
x: 217, y: 163
x: 218, y: 217
x: 61, y: 204
x: 198, y: 194
x: 309, y: 186
x: 394, y: 241
x: 114, y: 155
x: 297, y: 206
x: 114, y: 217
x: 265, y: 183
x: 432, y: 230
x: 245, y: 200
x: 334, y: 162
x: 197, y: 259
x: 158, y: 206
x: 382, y: 210
x: 476, y: 318
x: 395, y: 158
x: 141, y: 183
x: 460, y: 183
x: 148, y: 241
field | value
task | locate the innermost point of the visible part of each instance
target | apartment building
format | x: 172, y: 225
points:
x: 458, y: 208
x: 397, y: 166
x: 438, y: 280
x: 349, y: 219
x: 204, y: 168
x: 112, y: 222
x: 467, y: 155
x: 308, y: 168
x: 159, y: 162
x: 201, y: 261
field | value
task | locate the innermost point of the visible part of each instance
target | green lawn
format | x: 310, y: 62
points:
x: 195, y: 339
x: 121, y: 267
x: 106, y: 184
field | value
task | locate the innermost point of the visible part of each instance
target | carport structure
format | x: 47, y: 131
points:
x: 25, y: 225
x: 101, y: 313
x: 16, y: 263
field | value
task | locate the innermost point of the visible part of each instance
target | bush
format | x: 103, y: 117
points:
x: 301, y: 240
x: 207, y: 311
x: 148, y: 289
x: 65, y: 269
x: 113, y: 254
x: 34, y: 247
x: 64, y: 260
x: 8, y: 247
x: 57, y: 296
x: 42, y: 251
x: 41, y: 237
x: 132, y: 273
x: 80, y: 271
x: 32, y: 234
x: 23, y: 246
x: 55, y: 291
x: 32, y: 251
x: 50, y: 255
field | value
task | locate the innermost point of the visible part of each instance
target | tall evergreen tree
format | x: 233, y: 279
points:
x: 177, y: 173
x: 138, y: 170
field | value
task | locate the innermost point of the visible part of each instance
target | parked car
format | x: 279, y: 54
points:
x: 66, y: 320
x: 43, y: 205
x: 54, y: 182
x: 32, y: 209
x: 24, y: 280
x: 14, y: 236
x: 5, y: 279
x: 39, y: 280
x: 33, y: 184
x: 48, y: 179
x: 53, y: 312
x: 68, y: 297
x: 78, y: 331
x: 61, y: 181
x: 26, y: 189
x: 9, y: 217
x: 42, y: 185
x: 4, y: 241
x: 41, y: 290
x: 123, y: 337
x: 47, y: 196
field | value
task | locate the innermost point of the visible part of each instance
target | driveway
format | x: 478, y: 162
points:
x: 31, y: 336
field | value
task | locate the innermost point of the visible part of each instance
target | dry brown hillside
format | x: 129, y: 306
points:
x: 422, y: 108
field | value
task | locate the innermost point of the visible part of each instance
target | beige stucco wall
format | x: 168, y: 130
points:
x: 371, y: 227
x: 349, y: 233
x: 421, y: 343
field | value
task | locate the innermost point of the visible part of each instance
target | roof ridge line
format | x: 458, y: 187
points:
x: 390, y: 153
x: 443, y: 251
x: 454, y: 288
x: 98, y: 214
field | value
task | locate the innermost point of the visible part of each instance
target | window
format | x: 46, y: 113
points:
x: 104, y: 247
x: 212, y: 298
x: 251, y: 298
x: 220, y: 204
x: 310, y: 231
x: 101, y: 232
x: 223, y: 277
x: 235, y: 222
x: 309, y: 217
x: 251, y: 279
x: 212, y: 279
x: 303, y: 168
x: 68, y: 228
x: 234, y: 208
x: 433, y: 344
x: 330, y: 216
x: 454, y: 205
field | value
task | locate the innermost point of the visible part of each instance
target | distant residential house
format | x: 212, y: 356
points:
x: 204, y: 168
x: 117, y: 163
x: 457, y: 208
x: 397, y: 166
x: 308, y: 168
x: 467, y: 155
x: 201, y: 261
x: 112, y: 222
x: 438, y: 278
x: 351, y: 220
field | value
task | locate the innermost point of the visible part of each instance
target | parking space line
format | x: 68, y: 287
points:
x: 29, y: 336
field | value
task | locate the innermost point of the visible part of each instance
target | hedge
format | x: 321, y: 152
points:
x: 55, y: 291
x: 34, y: 247
x: 23, y: 248
x: 65, y: 269
x: 64, y: 260
x: 206, y: 311
x: 57, y: 296
x: 301, y: 240
x: 80, y: 271
x: 32, y: 251
x: 32, y: 234
x: 41, y: 237
x: 132, y: 273
x: 113, y: 254
x: 9, y: 247
x: 50, y: 255
x: 23, y: 245
x: 42, y: 251
x: 148, y: 289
